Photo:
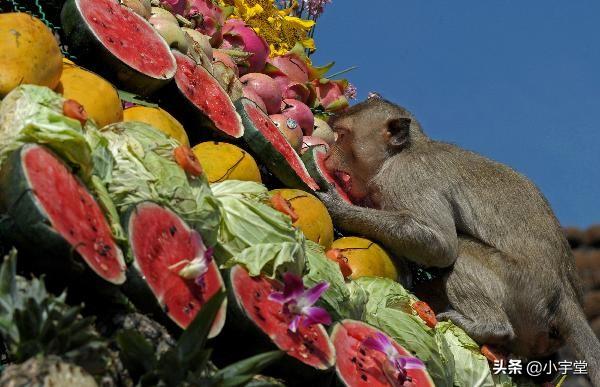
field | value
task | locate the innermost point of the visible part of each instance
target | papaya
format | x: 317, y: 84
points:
x: 30, y: 53
x: 223, y: 161
x: 160, y: 119
x: 98, y: 97
x: 365, y: 258
x: 312, y: 216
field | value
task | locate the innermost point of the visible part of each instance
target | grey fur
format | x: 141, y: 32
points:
x: 512, y: 279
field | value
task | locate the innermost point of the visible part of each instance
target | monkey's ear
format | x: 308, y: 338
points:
x: 397, y: 132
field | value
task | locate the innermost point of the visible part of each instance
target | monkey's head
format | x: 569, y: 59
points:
x: 368, y: 134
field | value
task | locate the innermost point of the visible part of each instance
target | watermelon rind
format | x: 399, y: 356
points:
x: 193, y: 117
x: 241, y: 329
x: 143, y: 296
x: 91, y: 52
x: 269, y: 155
x: 310, y: 159
x: 335, y: 331
x: 25, y: 224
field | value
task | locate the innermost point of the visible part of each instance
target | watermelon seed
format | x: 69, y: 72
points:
x: 173, y: 230
x: 363, y: 377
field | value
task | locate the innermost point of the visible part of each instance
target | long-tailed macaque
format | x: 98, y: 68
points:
x: 512, y: 280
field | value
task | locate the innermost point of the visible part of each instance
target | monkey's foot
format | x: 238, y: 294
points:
x: 483, y: 332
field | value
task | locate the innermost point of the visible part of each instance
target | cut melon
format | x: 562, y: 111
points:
x: 309, y: 344
x: 358, y: 366
x: 118, y: 43
x: 314, y: 160
x: 203, y: 100
x: 48, y: 212
x: 272, y: 148
x: 161, y: 245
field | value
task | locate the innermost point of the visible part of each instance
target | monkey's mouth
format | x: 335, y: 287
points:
x: 344, y: 180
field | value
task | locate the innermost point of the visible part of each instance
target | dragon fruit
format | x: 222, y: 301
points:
x: 209, y: 19
x: 301, y: 113
x: 174, y: 6
x: 220, y: 56
x: 329, y: 94
x: 252, y: 96
x: 290, y: 89
x: 266, y: 88
x: 292, y: 66
x: 237, y: 35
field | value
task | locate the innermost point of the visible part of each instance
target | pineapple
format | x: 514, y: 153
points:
x: 187, y: 364
x: 152, y: 331
x: 45, y: 372
x: 36, y: 324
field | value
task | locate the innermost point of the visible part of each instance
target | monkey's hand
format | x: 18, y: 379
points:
x: 338, y: 208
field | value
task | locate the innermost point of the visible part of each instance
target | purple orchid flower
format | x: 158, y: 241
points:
x: 397, y: 365
x: 350, y: 91
x: 298, y: 302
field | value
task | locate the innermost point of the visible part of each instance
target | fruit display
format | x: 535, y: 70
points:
x: 165, y: 168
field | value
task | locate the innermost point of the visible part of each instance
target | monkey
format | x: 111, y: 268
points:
x: 511, y: 279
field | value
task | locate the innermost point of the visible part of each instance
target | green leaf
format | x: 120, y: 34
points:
x: 249, y: 367
x: 135, y: 162
x: 470, y: 366
x: 136, y: 353
x: 190, y: 345
x: 134, y: 98
x: 8, y: 272
x: 318, y: 269
x: 254, y: 234
x: 34, y: 114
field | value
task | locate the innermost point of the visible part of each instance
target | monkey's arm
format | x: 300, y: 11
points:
x: 425, y: 241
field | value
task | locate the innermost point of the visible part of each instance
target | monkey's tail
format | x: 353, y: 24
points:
x: 581, y: 338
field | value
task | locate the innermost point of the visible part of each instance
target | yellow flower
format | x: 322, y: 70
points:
x: 280, y: 30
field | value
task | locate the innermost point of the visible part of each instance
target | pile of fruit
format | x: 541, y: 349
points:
x: 184, y: 268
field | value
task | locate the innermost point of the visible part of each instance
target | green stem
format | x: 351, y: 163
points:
x: 342, y: 72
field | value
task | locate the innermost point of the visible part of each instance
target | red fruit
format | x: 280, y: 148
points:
x: 358, y: 366
x: 75, y: 110
x: 290, y: 129
x: 300, y: 113
x: 309, y: 344
x: 238, y: 35
x: 220, y: 56
x: 310, y: 141
x: 252, y: 96
x: 209, y: 19
x: 337, y: 256
x: 162, y: 245
x: 292, y: 66
x: 266, y: 88
x: 290, y: 89
x: 425, y: 312
x: 280, y: 204
x: 187, y: 160
x: 330, y: 94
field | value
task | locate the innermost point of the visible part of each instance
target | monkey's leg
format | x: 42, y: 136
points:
x: 428, y: 242
x: 477, y: 294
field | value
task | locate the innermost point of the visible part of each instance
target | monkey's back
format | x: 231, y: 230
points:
x: 487, y: 200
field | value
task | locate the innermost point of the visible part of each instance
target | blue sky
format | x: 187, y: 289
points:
x: 517, y: 81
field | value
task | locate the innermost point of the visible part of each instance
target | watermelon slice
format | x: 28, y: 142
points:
x: 272, y: 148
x: 360, y: 366
x: 118, y: 43
x: 314, y: 160
x: 161, y: 246
x: 50, y: 213
x: 205, y: 99
x: 310, y: 345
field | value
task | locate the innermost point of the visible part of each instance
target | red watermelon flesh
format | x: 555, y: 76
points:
x: 310, y: 345
x: 129, y: 37
x: 205, y: 92
x: 320, y: 157
x: 358, y: 366
x: 74, y: 213
x: 161, y: 243
x: 270, y: 131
